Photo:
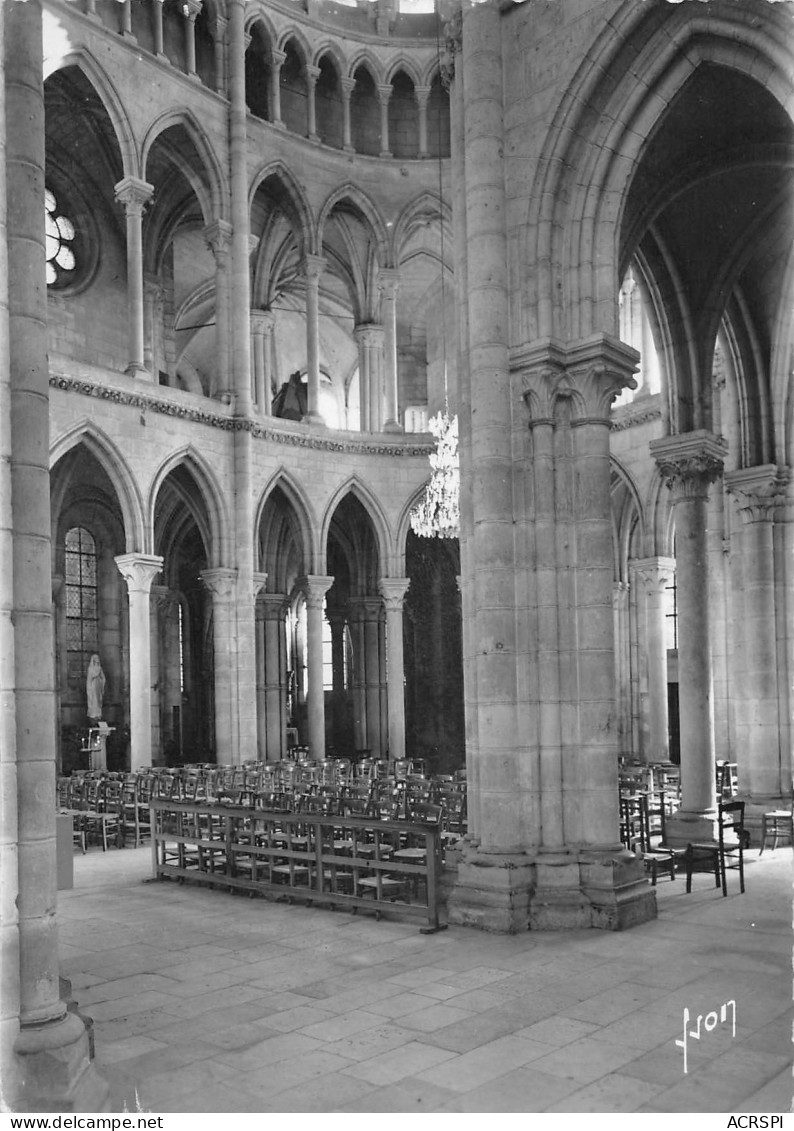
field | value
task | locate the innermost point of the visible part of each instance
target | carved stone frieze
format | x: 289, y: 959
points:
x: 272, y: 433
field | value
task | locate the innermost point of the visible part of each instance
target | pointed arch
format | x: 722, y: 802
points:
x: 113, y: 105
x: 219, y: 547
x: 597, y: 137
x: 296, y: 36
x: 366, y: 207
x: 328, y: 49
x: 296, y: 195
x: 210, y: 176
x: 258, y: 17
x: 361, y: 492
x: 108, y: 455
x: 302, y: 508
x: 408, y: 66
x: 370, y: 62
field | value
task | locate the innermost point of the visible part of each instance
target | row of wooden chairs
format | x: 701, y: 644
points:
x: 107, y: 809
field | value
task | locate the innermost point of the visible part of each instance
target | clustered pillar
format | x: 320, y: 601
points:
x: 690, y: 463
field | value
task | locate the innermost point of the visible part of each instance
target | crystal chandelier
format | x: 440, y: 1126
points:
x: 437, y: 514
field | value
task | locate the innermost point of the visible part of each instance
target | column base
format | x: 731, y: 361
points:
x: 393, y: 426
x: 55, y: 1071
x: 135, y: 369
x: 510, y: 892
x: 688, y: 826
x: 754, y: 809
x: 314, y: 418
x: 492, y: 891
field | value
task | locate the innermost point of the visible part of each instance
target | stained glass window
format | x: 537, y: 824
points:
x: 60, y: 232
x: 82, y: 617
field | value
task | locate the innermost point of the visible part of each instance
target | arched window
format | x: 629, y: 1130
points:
x: 82, y: 618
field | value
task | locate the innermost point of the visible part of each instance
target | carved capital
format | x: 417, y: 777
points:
x: 369, y: 334
x: 453, y: 45
x: 690, y: 462
x: 221, y: 583
x: 278, y: 59
x: 759, y: 491
x: 314, y: 587
x: 218, y: 237
x: 422, y: 94
x: 262, y: 322
x: 347, y: 86
x: 653, y: 574
x: 139, y: 570
x: 385, y: 91
x: 393, y: 590
x: 134, y: 194
x: 589, y: 374
x: 272, y: 606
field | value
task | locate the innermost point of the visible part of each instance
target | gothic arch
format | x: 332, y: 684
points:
x: 217, y: 536
x: 303, y: 511
x: 208, y: 182
x: 359, y: 490
x: 107, y: 454
x: 367, y: 209
x: 84, y: 61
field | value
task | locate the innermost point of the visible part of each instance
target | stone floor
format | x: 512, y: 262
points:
x: 205, y: 1002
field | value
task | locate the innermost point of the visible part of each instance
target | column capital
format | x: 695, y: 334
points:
x: 312, y: 73
x: 139, y: 570
x: 278, y: 58
x: 218, y: 237
x: 164, y: 598
x: 314, y: 587
x: 422, y: 94
x: 589, y: 374
x: 347, y: 86
x: 366, y: 609
x: 221, y: 582
x: 653, y: 574
x: 369, y: 333
x: 259, y: 583
x: 388, y: 281
x: 314, y: 266
x: 133, y: 193
x: 262, y: 321
x: 393, y: 590
x: 758, y: 491
x: 191, y: 8
x: 273, y: 606
x: 385, y: 91
x: 690, y: 462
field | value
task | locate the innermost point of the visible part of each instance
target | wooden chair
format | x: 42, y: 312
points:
x: 777, y: 823
x: 727, y: 853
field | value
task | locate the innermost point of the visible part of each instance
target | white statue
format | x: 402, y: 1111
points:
x: 94, y: 687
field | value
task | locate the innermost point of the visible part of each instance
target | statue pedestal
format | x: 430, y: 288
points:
x: 97, y: 745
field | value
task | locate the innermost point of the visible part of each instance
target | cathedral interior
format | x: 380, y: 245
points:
x: 261, y: 261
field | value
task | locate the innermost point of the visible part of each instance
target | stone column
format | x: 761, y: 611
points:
x: 422, y: 96
x: 374, y: 675
x: 157, y: 28
x: 347, y: 86
x: 134, y: 194
x: 152, y: 298
x: 190, y: 11
x: 222, y: 584
x: 358, y: 674
x: 337, y: 619
x: 314, y: 265
x: 388, y: 282
x: 370, y: 356
x: 764, y: 760
x: 126, y: 20
x: 277, y: 61
x: 312, y: 75
x: 242, y: 552
x: 261, y: 335
x: 158, y: 609
x: 139, y: 570
x: 620, y: 605
x: 220, y: 54
x: 690, y: 463
x: 393, y: 590
x: 44, y: 1052
x: 272, y: 608
x: 384, y: 97
x: 315, y: 588
x: 218, y: 239
x: 652, y: 576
